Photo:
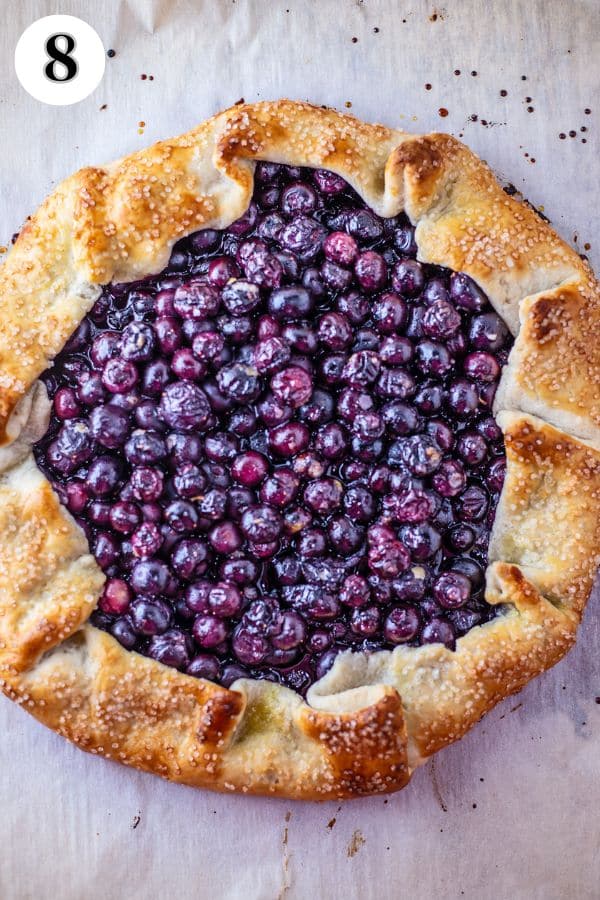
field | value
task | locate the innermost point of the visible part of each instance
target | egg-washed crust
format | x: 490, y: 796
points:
x: 372, y: 718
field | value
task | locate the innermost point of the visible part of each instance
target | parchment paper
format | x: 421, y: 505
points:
x: 512, y: 810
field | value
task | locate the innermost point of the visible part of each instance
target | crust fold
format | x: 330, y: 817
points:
x: 371, y: 719
x: 49, y: 581
x: 548, y: 518
x: 554, y: 366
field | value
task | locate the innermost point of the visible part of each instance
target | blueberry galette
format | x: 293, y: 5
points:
x: 299, y: 421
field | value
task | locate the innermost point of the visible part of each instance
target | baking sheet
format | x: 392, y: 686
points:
x: 512, y: 810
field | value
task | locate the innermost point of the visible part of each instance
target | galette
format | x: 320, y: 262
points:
x: 299, y: 426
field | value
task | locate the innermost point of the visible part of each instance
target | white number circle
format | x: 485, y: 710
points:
x: 59, y: 60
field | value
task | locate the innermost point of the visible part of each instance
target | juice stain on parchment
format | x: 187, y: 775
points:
x: 436, y: 787
x: 287, y: 879
x: 356, y: 842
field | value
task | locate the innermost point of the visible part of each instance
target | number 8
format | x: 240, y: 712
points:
x: 57, y: 55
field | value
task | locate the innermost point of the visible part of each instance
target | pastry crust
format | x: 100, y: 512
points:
x: 372, y: 719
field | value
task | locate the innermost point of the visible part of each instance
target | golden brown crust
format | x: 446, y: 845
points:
x: 49, y: 581
x: 555, y: 363
x: 42, y: 297
x: 548, y: 521
x: 368, y: 748
x: 371, y: 719
x: 260, y: 738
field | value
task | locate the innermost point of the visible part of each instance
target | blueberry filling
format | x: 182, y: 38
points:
x: 282, y: 446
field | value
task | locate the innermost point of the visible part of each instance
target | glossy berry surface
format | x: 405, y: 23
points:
x: 282, y: 446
